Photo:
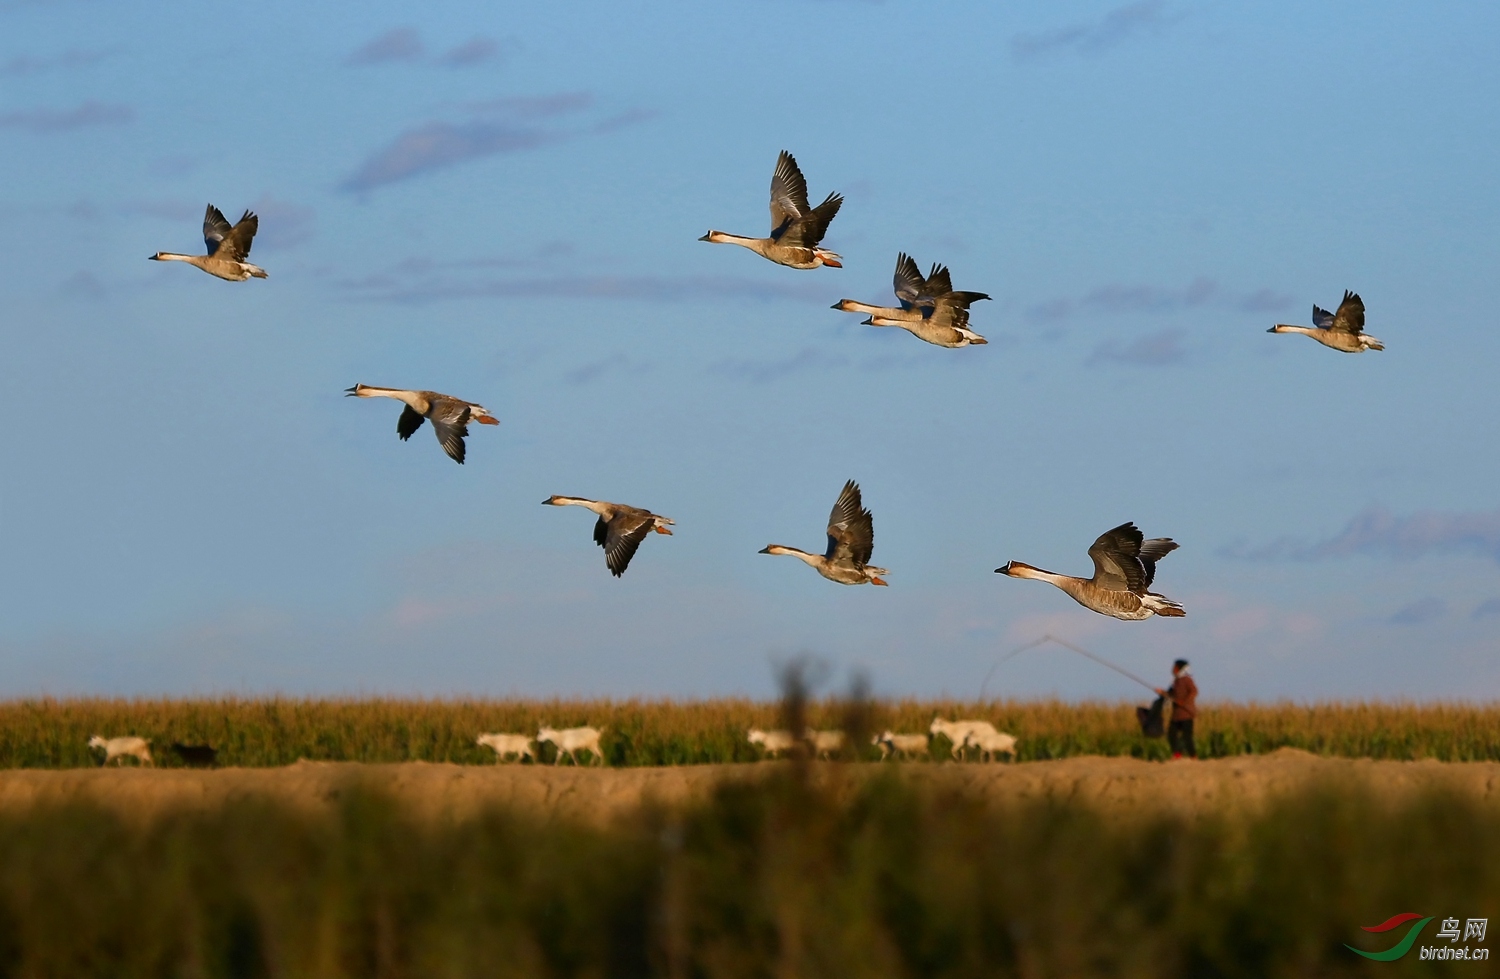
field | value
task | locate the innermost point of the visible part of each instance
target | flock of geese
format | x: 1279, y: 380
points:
x: 928, y: 307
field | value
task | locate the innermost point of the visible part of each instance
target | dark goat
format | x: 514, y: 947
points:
x: 195, y: 755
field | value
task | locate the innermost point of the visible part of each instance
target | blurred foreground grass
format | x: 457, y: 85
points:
x: 256, y: 732
x: 772, y: 877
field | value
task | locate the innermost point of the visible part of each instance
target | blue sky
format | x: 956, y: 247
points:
x: 503, y: 204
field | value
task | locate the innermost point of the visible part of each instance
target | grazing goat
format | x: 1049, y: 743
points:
x: 117, y: 748
x: 195, y: 755
x: 774, y: 742
x: 991, y: 743
x: 826, y: 744
x: 959, y: 732
x: 508, y: 744
x: 572, y: 739
x: 892, y: 744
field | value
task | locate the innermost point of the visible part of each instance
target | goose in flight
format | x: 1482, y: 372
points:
x: 1344, y: 330
x: 930, y: 309
x: 228, y: 247
x: 619, y: 529
x: 851, y: 538
x: 1124, y: 565
x: 796, y: 228
x: 450, y: 417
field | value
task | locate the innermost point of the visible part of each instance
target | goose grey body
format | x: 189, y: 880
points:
x: 1343, y: 331
x: 851, y: 540
x: 796, y: 227
x: 1124, y: 567
x: 450, y: 416
x: 228, y: 247
x: 619, y: 529
x: 930, y: 308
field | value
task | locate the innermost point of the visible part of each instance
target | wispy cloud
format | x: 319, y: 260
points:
x: 617, y: 363
x: 65, y: 120
x: 405, y: 45
x: 1147, y: 18
x: 400, y: 44
x: 496, y: 126
x: 1377, y: 532
x: 1487, y: 608
x: 1121, y: 299
x: 1420, y: 612
x: 1160, y: 349
x: 421, y: 281
x: 765, y: 371
x: 72, y: 58
x: 472, y: 52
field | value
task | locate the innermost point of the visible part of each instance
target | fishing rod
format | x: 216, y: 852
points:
x: 1062, y: 642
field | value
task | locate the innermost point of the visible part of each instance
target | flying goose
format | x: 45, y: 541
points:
x: 619, y: 529
x: 930, y: 310
x: 851, y: 538
x: 450, y: 416
x: 796, y: 228
x: 1344, y: 330
x: 228, y: 247
x: 1124, y: 565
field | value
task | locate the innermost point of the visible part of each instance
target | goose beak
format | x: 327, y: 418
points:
x: 351, y: 392
x: 707, y: 237
x: 154, y: 258
x: 868, y: 322
x: 764, y: 550
x: 548, y: 501
x: 1005, y: 570
x: 1271, y: 330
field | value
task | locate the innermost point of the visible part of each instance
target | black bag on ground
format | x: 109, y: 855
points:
x: 1150, y: 718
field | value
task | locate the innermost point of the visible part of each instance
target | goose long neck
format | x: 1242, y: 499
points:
x: 602, y: 509
x: 175, y: 257
x: 816, y: 560
x: 417, y: 403
x: 1285, y: 328
x: 849, y: 305
x: 1062, y: 581
x: 724, y: 238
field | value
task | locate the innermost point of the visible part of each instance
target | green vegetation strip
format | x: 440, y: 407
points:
x: 770, y: 877
x: 247, y: 732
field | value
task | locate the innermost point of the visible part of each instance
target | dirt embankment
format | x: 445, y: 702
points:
x: 1119, y: 786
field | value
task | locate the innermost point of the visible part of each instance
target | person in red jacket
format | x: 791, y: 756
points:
x: 1184, y: 696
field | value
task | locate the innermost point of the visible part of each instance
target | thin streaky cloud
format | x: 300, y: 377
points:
x: 472, y: 52
x: 1126, y: 299
x: 438, y: 145
x: 1377, y: 532
x: 657, y: 289
x: 84, y: 116
x: 533, y: 106
x: 1487, y: 608
x: 766, y: 371
x: 1160, y: 349
x: 400, y: 44
x: 1117, y: 26
x: 72, y: 58
x: 1420, y: 612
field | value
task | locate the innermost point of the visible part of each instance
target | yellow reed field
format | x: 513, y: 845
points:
x: 50, y: 733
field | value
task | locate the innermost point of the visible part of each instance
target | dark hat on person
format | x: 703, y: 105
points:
x: 1179, y: 664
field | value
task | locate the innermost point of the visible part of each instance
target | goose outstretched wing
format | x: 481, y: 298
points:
x: 1351, y: 315
x: 851, y: 528
x: 215, y: 228
x: 788, y: 193
x: 1117, y: 559
x: 625, y: 533
x: 808, y: 230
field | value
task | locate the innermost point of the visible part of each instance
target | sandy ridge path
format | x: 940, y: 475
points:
x: 599, y: 795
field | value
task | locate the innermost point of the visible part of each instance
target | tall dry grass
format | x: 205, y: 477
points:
x: 258, y: 732
x: 772, y: 877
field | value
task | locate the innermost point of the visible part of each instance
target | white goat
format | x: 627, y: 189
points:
x: 117, y: 748
x: 992, y: 743
x: 892, y: 744
x: 774, y: 742
x: 508, y: 744
x: 826, y: 743
x: 570, y: 740
x: 959, y: 732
